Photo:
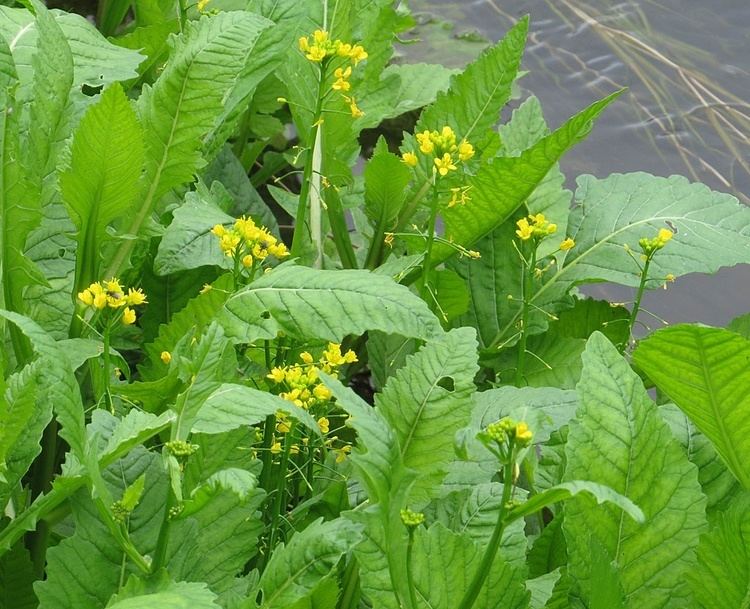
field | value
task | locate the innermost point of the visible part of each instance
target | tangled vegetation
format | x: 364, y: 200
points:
x: 291, y: 323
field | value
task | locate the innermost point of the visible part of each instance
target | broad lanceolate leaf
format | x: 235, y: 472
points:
x: 722, y: 576
x: 473, y: 102
x: 304, y: 303
x: 704, y: 371
x: 444, y: 563
x: 711, y: 228
x: 619, y: 440
x: 427, y: 401
x: 184, y: 103
x: 386, y: 178
x: 295, y: 569
x: 501, y: 186
x: 101, y: 183
x: 234, y: 406
x: 188, y: 242
x: 182, y: 595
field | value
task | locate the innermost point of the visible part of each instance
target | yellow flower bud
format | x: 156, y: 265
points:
x: 166, y: 357
x: 128, y: 316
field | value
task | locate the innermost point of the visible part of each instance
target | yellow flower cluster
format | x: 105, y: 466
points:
x: 319, y: 47
x: 248, y: 242
x: 567, y: 244
x: 444, y: 149
x: 649, y: 246
x: 111, y: 294
x: 301, y: 382
x: 535, y: 226
x: 507, y: 429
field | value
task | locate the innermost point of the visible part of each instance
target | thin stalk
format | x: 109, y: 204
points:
x: 638, y: 297
x: 300, y: 225
x: 349, y: 597
x: 409, y: 573
x: 340, y: 230
x: 105, y: 358
x: 41, y: 483
x: 427, y: 265
x: 280, y: 488
x: 266, y: 457
x: 122, y: 538
x: 472, y: 592
x: 160, y: 553
x: 528, y: 286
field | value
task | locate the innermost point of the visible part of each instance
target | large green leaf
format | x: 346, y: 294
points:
x: 181, y: 108
x: 619, y: 440
x: 722, y: 576
x: 101, y: 182
x: 426, y: 401
x: 188, y: 242
x: 295, y: 569
x: 304, y: 303
x: 704, y: 371
x: 711, y: 228
x: 182, y: 595
x: 16, y: 579
x: 473, y: 102
x: 717, y: 482
x: 234, y: 406
x: 444, y: 563
x: 502, y: 185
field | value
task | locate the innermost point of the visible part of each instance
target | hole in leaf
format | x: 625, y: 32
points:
x: 265, y: 315
x: 446, y: 383
x: 61, y: 252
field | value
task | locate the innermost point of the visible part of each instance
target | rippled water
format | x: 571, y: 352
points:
x: 686, y: 64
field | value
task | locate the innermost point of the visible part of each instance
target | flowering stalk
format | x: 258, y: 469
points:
x: 411, y: 520
x: 427, y: 264
x: 526, y: 296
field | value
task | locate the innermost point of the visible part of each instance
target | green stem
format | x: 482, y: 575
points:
x: 472, y: 592
x: 638, y: 297
x: 105, y: 358
x: 300, y: 225
x: 44, y: 471
x: 280, y: 488
x: 266, y: 456
x: 350, y: 597
x: 122, y: 538
x: 427, y: 264
x: 340, y: 230
x: 528, y: 286
x: 409, y: 573
x: 160, y: 553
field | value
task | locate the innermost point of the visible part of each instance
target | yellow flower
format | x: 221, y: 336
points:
x: 342, y: 83
x: 664, y: 235
x: 276, y: 448
x: 166, y: 357
x: 136, y: 297
x: 277, y: 375
x: 523, y: 433
x: 459, y: 196
x: 304, y: 44
x: 100, y: 300
x: 202, y: 5
x: 356, y: 112
x: 219, y: 230
x: 537, y: 219
x: 343, y: 49
x: 551, y: 228
x: 445, y: 164
x: 320, y: 36
x: 410, y: 159
x: 567, y: 244
x: 465, y: 151
x: 525, y: 230
x: 324, y: 425
x: 357, y: 54
x: 426, y: 145
x: 316, y: 53
x: 388, y: 239
x: 342, y: 452
x: 247, y: 261
x: 322, y: 392
x: 86, y: 297
x: 306, y: 357
x: 128, y: 316
x: 670, y: 277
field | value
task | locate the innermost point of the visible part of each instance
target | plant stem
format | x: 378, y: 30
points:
x: 122, y: 538
x: 105, y: 358
x: 349, y: 597
x: 281, y: 487
x: 637, y: 303
x: 266, y: 457
x: 427, y: 265
x: 528, y: 286
x: 409, y: 574
x: 472, y: 592
x: 160, y: 553
x: 300, y: 224
x: 44, y: 470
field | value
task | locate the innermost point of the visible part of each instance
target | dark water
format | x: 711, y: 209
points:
x: 686, y: 64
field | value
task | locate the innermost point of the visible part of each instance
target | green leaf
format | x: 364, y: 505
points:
x: 600, y: 493
x: 722, y: 575
x: 473, y: 102
x: 188, y: 242
x: 502, y: 185
x: 306, y: 303
x: 16, y: 579
x: 444, y: 563
x: 703, y: 371
x: 182, y: 595
x: 541, y: 588
x: 621, y: 209
x: 179, y: 111
x: 426, y: 401
x: 619, y: 440
x: 295, y: 569
x: 233, y: 406
x: 386, y: 353
x: 102, y: 181
x: 717, y: 482
x: 386, y: 178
